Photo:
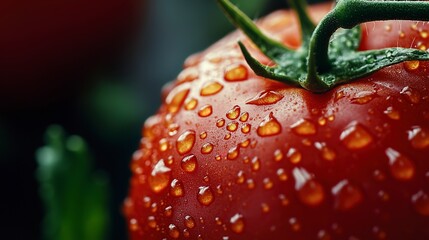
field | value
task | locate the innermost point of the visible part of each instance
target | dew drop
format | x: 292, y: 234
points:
x: 240, y: 177
x: 220, y: 123
x: 269, y: 126
x: 411, y: 95
x: 424, y: 34
x: 189, y: 222
x: 203, y: 135
x: 323, y: 235
x: 420, y: 201
x: 227, y: 136
x: 245, y: 128
x: 245, y: 143
x: 189, y: 163
x: 265, y: 207
x: 282, y: 174
x: 419, y: 137
x: 176, y: 189
x: 283, y: 200
x: 411, y: 65
x: 256, y: 164
x: 268, y: 183
x: 168, y: 211
x: 233, y: 153
x: 188, y: 75
x: 205, y: 111
x: 191, y: 104
x: 173, y: 231
x: 250, y: 184
x: 232, y: 126
x: 175, y: 99
x: 355, y: 137
x: 392, y: 113
x: 151, y: 222
x: 134, y: 225
x: 173, y: 129
x: 233, y: 113
x: 363, y: 97
x: 205, y: 195
x: 294, y: 156
x: 346, y: 195
x: 207, y: 148
x: 294, y: 224
x: 321, y: 121
x: 278, y: 155
x: 327, y: 153
x: 401, y: 167
x: 159, y: 177
x: 185, y: 142
x: 211, y: 88
x: 265, y: 98
x: 218, y: 157
x: 304, y: 127
x: 163, y: 145
x: 310, y: 192
x: 244, y: 117
x: 237, y: 223
x: 236, y: 72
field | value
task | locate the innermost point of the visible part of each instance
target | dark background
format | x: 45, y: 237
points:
x: 96, y: 68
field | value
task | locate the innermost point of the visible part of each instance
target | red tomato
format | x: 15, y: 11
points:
x: 46, y: 46
x: 231, y: 155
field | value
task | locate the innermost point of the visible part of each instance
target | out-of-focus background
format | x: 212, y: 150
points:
x: 96, y: 68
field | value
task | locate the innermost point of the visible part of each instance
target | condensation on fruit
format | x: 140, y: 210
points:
x: 304, y: 127
x: 191, y: 104
x: 232, y: 126
x: 236, y: 72
x: 185, y: 142
x: 419, y: 137
x: 310, y: 192
x: 355, y: 137
x: 246, y: 128
x: 211, y: 88
x: 189, y: 222
x: 244, y: 117
x: 207, y: 148
x: 159, y: 177
x: 266, y: 98
x: 205, y: 111
x: 346, y: 196
x: 401, y: 167
x: 392, y: 113
x: 233, y: 113
x: 237, y: 223
x: 205, y: 196
x: 411, y: 95
x: 326, y: 153
x: 176, y: 188
x: 294, y: 156
x: 233, y: 153
x: 189, y: 163
x: 420, y: 201
x: 175, y: 99
x: 269, y: 126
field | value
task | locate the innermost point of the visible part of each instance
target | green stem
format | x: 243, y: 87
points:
x: 349, y: 13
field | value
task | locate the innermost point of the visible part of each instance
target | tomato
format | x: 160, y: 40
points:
x: 232, y: 155
x: 47, y: 46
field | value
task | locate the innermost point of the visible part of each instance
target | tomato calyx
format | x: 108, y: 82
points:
x: 328, y: 55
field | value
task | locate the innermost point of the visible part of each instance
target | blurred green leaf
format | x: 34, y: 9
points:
x: 75, y: 198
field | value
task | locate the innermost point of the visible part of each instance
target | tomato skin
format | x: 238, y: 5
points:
x: 345, y: 164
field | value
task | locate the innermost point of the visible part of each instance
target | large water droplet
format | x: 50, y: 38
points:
x: 310, y: 192
x: 232, y: 126
x: 175, y: 99
x: 294, y: 156
x: 411, y: 65
x: 189, y: 222
x: 189, y: 163
x: 419, y: 137
x: 304, y: 127
x: 237, y: 223
x: 211, y: 88
x: 245, y: 128
x: 265, y: 98
x: 220, y: 123
x: 420, y: 201
x: 176, y: 189
x: 173, y: 231
x: 233, y: 113
x: 281, y: 173
x: 191, y: 104
x: 355, y: 137
x: 207, y: 148
x: 244, y: 116
x: 205, y: 111
x: 269, y: 126
x: 347, y: 196
x: 233, y: 153
x: 327, y: 153
x: 185, y: 142
x: 159, y: 177
x: 401, y: 167
x: 205, y: 195
x: 236, y: 72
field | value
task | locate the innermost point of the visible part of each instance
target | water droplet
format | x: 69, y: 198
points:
x: 233, y: 113
x: 384, y: 196
x: 220, y: 123
x: 218, y: 221
x: 205, y: 111
x: 355, y: 136
x: 203, y: 135
x: 392, y: 113
x: 218, y: 157
x: 255, y: 163
x: 245, y: 128
x: 168, y: 211
x: 240, y: 177
x: 191, y: 104
x: 211, y: 88
x: 265, y: 207
x: 304, y: 127
x: 268, y: 184
x: 245, y: 143
x: 163, y: 145
x: 227, y: 136
x: 189, y: 222
x: 205, y: 195
x: 294, y: 224
x: 189, y: 163
x: 363, y: 97
x: 233, y: 153
x: 424, y: 34
x: 147, y: 202
x: 265, y: 98
x: 294, y: 156
x: 388, y: 27
x: 244, y: 117
x: 207, y: 148
x: 176, y: 189
x: 151, y: 222
x: 282, y: 174
x: 411, y: 95
x: 419, y: 137
x: 237, y: 223
x: 327, y: 153
x: 236, y: 72
x: 323, y: 235
x: 159, y: 177
x: 188, y: 75
x: 250, y: 183
x: 401, y: 167
x: 321, y: 121
x: 269, y: 126
x: 278, y: 155
x: 134, y: 225
x: 379, y: 175
x: 173, y: 231
x: 154, y: 207
x: 185, y: 142
x: 173, y: 128
x: 186, y: 233
x: 411, y: 65
x: 347, y: 196
x: 310, y: 192
x: 175, y: 99
x: 420, y: 201
x: 232, y: 126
